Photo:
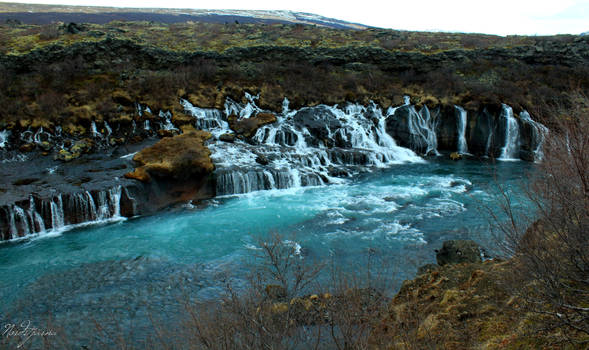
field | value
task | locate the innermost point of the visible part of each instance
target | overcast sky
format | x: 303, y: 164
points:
x: 491, y: 16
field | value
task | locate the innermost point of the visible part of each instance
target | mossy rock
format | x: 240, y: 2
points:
x: 67, y: 156
x: 163, y: 133
x: 82, y: 146
x: 180, y: 157
x: 27, y: 147
x: 247, y: 127
x: 46, y: 146
x: 123, y: 98
x: 179, y: 119
x: 227, y: 138
x: 455, y: 156
x: 76, y: 130
x: 459, y: 251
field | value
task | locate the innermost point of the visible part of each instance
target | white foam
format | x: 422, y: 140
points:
x: 65, y: 228
x: 127, y: 156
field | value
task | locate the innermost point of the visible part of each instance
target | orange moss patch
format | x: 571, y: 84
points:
x: 180, y: 157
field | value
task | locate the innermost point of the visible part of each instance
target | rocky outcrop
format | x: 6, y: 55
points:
x: 458, y: 251
x: 176, y: 169
x: 321, y: 122
x: 460, y: 307
x: 178, y: 158
x: 247, y: 127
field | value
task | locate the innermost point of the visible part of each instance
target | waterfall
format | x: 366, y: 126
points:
x: 462, y: 146
x: 146, y: 126
x: 62, y: 211
x: 95, y: 132
x: 207, y: 119
x: 538, y: 136
x: 41, y: 135
x: 422, y: 127
x: 312, y: 146
x: 285, y: 106
x: 4, y: 134
x: 37, y: 223
x: 167, y: 123
x: 510, y: 150
x: 27, y: 136
x: 57, y: 217
x: 243, y: 111
x: 108, y: 129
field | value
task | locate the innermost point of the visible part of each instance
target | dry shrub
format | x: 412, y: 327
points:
x: 275, y: 311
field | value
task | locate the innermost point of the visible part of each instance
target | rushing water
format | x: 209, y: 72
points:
x: 398, y: 214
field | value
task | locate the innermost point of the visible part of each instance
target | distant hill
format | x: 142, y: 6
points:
x: 44, y: 14
x: 586, y: 33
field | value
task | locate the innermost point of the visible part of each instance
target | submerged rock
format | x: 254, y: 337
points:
x: 458, y: 251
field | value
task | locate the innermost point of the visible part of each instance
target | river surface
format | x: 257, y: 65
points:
x: 129, y: 269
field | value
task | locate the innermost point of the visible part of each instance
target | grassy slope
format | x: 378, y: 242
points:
x: 448, y: 68
x: 467, y: 306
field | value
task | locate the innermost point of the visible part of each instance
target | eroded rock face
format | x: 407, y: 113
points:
x: 458, y: 251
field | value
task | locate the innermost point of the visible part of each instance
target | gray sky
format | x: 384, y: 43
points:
x: 494, y: 17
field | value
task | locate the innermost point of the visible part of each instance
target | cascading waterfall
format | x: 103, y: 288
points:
x: 207, y: 119
x: 462, y: 146
x: 294, y: 151
x: 242, y: 110
x: 108, y: 129
x: 57, y: 214
x: 166, y: 124
x: 422, y: 127
x: 510, y: 150
x: 4, y: 135
x: 62, y: 210
x: 538, y: 135
x: 41, y: 136
x: 27, y: 136
x: 94, y: 131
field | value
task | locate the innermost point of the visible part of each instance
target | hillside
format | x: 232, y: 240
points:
x: 45, y: 14
x: 60, y: 68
